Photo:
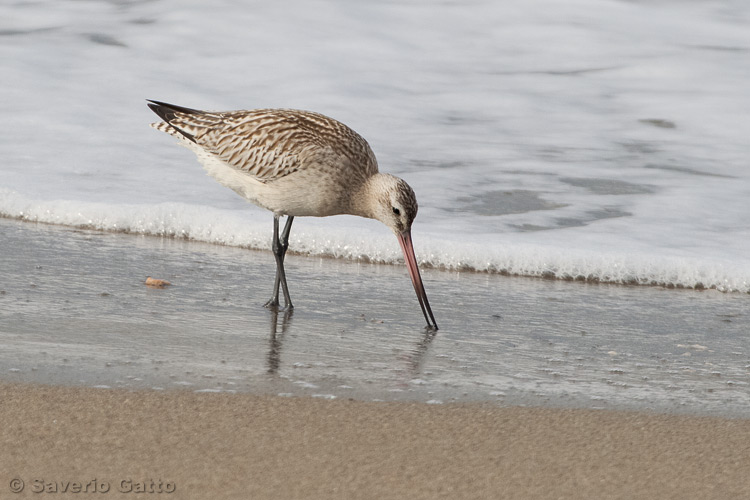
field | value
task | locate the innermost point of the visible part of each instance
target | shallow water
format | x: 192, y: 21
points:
x: 74, y: 310
x: 602, y: 140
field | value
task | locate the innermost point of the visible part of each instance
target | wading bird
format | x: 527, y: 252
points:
x: 297, y: 163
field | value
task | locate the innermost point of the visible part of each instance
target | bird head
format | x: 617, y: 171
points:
x: 396, y: 204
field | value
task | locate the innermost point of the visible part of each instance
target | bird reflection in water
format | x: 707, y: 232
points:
x: 277, y: 337
x: 414, y: 359
x: 417, y: 355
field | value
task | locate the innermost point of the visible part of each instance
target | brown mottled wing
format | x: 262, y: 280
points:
x: 270, y: 143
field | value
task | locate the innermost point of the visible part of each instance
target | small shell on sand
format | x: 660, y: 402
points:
x: 156, y: 283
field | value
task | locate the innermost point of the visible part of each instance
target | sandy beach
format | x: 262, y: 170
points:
x: 537, y: 390
x: 580, y: 170
x: 266, y: 447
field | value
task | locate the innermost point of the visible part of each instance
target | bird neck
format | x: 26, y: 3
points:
x: 367, y: 200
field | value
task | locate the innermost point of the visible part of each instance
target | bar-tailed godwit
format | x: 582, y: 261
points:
x: 297, y: 163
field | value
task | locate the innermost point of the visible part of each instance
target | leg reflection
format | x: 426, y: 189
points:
x: 277, y: 337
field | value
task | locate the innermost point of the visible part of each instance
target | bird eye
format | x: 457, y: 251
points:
x: 396, y: 211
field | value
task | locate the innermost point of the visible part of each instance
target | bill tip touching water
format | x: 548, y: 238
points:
x: 297, y: 163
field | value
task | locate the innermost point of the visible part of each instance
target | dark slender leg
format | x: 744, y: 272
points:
x: 284, y: 245
x: 275, y: 248
x: 279, y: 245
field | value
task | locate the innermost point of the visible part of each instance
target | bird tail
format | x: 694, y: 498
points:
x: 168, y: 112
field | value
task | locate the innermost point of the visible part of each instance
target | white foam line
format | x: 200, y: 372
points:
x: 505, y: 253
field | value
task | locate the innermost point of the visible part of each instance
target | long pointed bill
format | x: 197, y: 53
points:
x: 407, y: 247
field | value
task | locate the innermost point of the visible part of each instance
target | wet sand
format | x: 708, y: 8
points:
x: 74, y: 310
x: 245, y: 446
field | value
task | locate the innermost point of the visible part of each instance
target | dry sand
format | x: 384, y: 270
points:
x: 226, y: 446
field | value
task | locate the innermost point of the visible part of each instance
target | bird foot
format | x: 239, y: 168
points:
x: 274, y: 305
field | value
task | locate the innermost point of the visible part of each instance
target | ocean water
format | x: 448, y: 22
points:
x: 598, y: 140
